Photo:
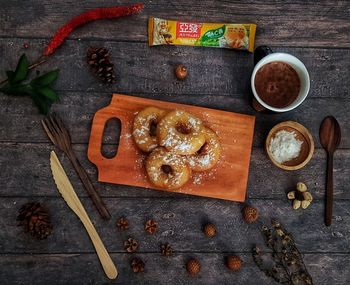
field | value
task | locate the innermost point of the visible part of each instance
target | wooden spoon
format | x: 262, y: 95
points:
x: 330, y: 139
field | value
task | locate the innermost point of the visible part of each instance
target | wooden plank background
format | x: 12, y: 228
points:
x: 317, y: 32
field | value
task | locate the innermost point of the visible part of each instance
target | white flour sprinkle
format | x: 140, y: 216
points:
x: 284, y: 146
x: 197, y: 179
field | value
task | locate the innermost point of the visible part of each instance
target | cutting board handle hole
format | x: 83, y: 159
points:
x: 110, y: 138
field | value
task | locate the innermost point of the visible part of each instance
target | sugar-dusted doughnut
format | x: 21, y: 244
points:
x: 208, y: 155
x: 144, y: 128
x: 166, y: 169
x: 181, y: 132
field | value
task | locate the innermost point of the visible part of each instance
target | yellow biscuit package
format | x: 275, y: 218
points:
x: 219, y: 35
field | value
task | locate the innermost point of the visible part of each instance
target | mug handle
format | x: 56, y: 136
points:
x: 259, y: 53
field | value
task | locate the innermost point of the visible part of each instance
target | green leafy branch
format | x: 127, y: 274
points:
x: 39, y: 88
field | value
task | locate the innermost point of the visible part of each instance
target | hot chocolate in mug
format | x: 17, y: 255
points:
x: 280, y: 82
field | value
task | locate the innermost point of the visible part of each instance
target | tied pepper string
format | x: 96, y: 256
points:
x: 89, y: 16
x: 86, y: 17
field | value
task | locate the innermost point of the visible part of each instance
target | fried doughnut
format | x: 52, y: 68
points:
x: 180, y: 132
x: 208, y: 155
x: 166, y: 169
x: 144, y: 128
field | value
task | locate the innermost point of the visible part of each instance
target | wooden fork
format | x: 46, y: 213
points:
x: 60, y: 137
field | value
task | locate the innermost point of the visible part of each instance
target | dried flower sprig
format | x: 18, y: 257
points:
x: 285, y: 263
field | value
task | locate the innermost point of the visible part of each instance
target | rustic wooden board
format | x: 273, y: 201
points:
x: 227, y: 180
x: 314, y: 31
x: 36, y: 181
x: 77, y: 113
x: 77, y: 269
x: 180, y: 221
x: 282, y: 23
x: 144, y: 70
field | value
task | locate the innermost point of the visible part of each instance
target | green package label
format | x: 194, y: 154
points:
x: 211, y: 38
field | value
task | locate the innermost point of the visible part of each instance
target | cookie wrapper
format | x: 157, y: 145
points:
x: 219, y: 35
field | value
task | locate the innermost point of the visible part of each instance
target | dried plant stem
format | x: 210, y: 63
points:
x: 38, y: 62
x: 285, y: 263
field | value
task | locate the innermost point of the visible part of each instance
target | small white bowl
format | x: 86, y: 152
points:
x: 298, y: 66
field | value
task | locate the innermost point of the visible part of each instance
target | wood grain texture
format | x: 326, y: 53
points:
x: 227, y: 180
x: 21, y: 122
x: 140, y: 69
x: 180, y: 223
x: 37, y: 180
x: 281, y: 23
x: 81, y: 269
x: 314, y: 31
x: 59, y: 136
x: 71, y: 198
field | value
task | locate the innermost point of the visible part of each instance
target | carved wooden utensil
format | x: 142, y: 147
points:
x: 66, y: 189
x: 330, y: 136
x: 60, y: 137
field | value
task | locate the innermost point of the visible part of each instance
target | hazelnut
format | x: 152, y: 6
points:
x: 193, y: 266
x: 181, y: 72
x: 301, y: 187
x: 301, y: 197
x: 291, y: 195
x: 296, y: 204
x: 307, y: 196
x: 305, y: 204
x: 209, y: 230
x: 233, y: 262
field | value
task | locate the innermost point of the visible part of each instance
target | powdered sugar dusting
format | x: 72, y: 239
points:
x: 210, y: 154
x: 178, y: 175
x: 142, y: 128
x: 172, y: 139
x: 175, y: 140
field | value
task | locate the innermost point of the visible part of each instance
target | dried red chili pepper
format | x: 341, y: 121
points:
x: 89, y: 16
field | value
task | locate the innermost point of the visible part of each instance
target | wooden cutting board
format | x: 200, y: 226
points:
x: 227, y: 180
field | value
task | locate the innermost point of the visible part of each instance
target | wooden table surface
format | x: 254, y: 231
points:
x: 317, y: 32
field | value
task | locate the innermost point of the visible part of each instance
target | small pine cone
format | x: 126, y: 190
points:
x: 250, y: 214
x: 233, y: 262
x: 166, y: 249
x: 137, y: 265
x: 36, y: 220
x: 209, y: 230
x: 193, y: 266
x: 122, y: 224
x: 98, y: 58
x: 151, y: 226
x: 131, y: 245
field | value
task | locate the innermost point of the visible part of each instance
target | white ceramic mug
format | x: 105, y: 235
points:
x: 298, y: 66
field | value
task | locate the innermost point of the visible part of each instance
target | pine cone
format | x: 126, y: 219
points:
x: 209, y: 230
x: 233, y: 262
x: 137, y: 265
x: 35, y: 219
x: 151, y: 226
x: 166, y: 249
x: 250, y: 214
x: 100, y: 63
x: 193, y: 266
x: 131, y: 245
x: 122, y: 224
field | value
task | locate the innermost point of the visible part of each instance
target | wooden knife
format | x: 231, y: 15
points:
x: 66, y: 189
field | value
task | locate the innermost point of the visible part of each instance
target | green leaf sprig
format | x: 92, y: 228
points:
x: 39, y: 88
